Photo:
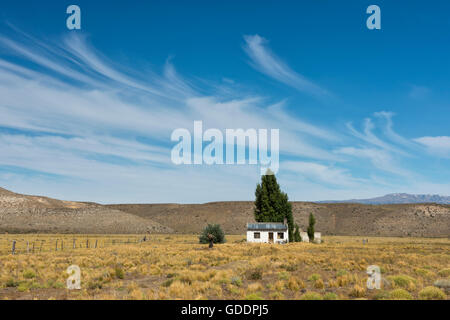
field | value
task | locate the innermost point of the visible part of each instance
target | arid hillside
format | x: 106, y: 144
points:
x: 26, y: 214
x: 419, y: 220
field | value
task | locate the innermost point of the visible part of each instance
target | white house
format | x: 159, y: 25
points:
x: 267, y: 232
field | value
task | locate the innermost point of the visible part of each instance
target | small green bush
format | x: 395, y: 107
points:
x: 424, y: 272
x: 314, y: 277
x: 283, y: 275
x: 289, y: 267
x: 29, y: 274
x: 236, y: 281
x: 119, y: 273
x: 311, y: 296
x: 382, y: 295
x: 253, y: 296
x: 400, y: 294
x: 216, y: 231
x: 444, y: 272
x: 341, y: 273
x: 255, y: 274
x: 11, y: 283
x: 330, y: 296
x: 95, y: 285
x: 432, y: 293
x: 403, y: 281
x: 23, y: 287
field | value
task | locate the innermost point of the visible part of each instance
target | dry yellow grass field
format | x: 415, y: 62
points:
x: 178, y: 267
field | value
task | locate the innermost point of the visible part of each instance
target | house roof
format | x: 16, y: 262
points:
x: 267, y: 226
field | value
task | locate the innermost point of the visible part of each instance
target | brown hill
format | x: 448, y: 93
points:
x: 23, y: 214
x: 419, y: 220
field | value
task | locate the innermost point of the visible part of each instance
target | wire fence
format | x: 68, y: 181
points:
x: 48, y: 243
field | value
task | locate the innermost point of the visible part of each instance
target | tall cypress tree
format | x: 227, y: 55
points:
x: 271, y: 204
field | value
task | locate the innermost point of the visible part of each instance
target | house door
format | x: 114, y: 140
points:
x: 270, y: 236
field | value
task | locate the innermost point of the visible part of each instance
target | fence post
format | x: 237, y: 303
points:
x: 96, y: 243
x: 56, y: 247
x: 13, y: 249
x: 62, y: 245
x: 74, y: 243
x: 33, y: 247
x: 87, y: 243
x: 28, y: 247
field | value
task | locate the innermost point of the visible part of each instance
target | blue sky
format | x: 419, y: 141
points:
x: 87, y: 114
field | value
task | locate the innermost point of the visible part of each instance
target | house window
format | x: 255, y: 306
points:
x: 280, y: 235
x: 257, y: 235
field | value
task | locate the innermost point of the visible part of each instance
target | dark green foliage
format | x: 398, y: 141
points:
x: 271, y: 204
x: 11, y: 283
x: 310, y: 231
x: 215, y: 230
x: 255, y: 273
x: 297, y: 237
x: 119, y: 273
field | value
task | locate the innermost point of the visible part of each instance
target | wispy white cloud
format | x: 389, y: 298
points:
x: 381, y: 159
x: 105, y: 128
x: 265, y: 61
x: 82, y: 117
x: 389, y: 130
x: 368, y: 136
x: 438, y: 146
x: 320, y: 173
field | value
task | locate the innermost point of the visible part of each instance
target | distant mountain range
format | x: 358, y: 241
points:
x: 397, y: 198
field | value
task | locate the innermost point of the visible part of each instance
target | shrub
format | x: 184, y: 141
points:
x: 357, y: 292
x: 253, y: 296
x: 23, y: 287
x: 432, y: 293
x: 119, y: 273
x: 236, y: 281
x: 382, y: 295
x: 95, y: 285
x: 330, y: 296
x: 283, y: 275
x: 403, y: 281
x: 318, y: 284
x: 215, y: 230
x: 11, y: 283
x: 444, y: 272
x: 255, y: 274
x: 29, y: 274
x: 277, y: 296
x: 424, y: 272
x: 314, y: 277
x: 289, y: 267
x: 400, y: 294
x: 311, y: 296
x: 341, y: 273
